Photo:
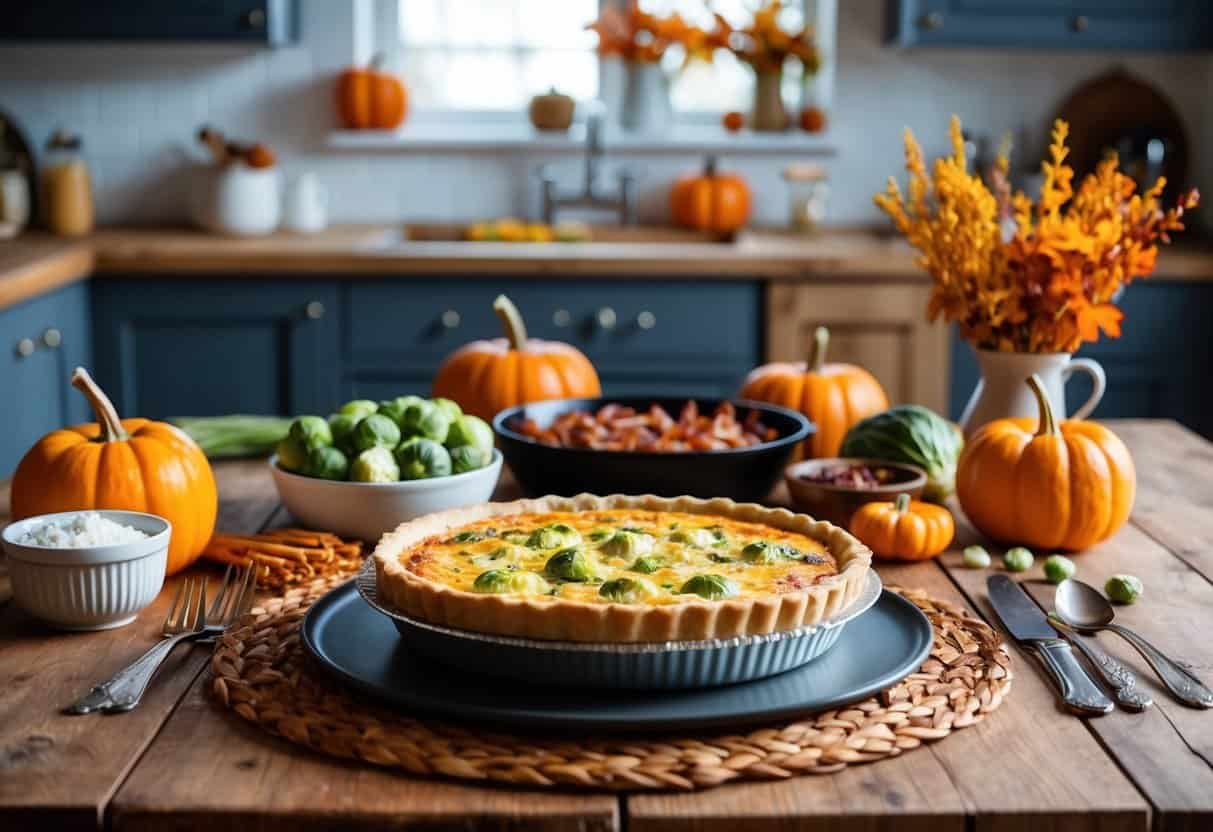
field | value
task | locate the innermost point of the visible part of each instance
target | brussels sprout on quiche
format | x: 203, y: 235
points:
x: 626, y: 543
x: 553, y: 536
x: 570, y: 565
x: 710, y: 587
x: 701, y: 537
x: 627, y: 590
x: 510, y: 580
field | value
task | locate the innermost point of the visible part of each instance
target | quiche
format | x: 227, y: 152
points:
x: 620, y: 569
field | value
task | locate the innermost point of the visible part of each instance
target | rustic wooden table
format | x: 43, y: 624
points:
x: 181, y: 763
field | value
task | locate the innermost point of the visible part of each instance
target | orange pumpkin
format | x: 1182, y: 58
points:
x: 371, y: 98
x: 131, y: 464
x: 812, y: 120
x: 733, y: 121
x: 485, y: 377
x: 710, y: 201
x: 1046, y: 485
x: 833, y: 396
x: 904, y: 529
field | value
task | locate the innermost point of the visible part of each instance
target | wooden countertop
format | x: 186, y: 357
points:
x: 181, y: 762
x: 34, y: 264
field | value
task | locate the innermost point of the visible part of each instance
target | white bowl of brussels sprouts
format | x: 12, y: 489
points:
x: 373, y: 465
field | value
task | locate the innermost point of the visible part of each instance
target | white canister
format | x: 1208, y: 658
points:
x: 245, y: 200
x: 305, y: 205
x: 14, y: 198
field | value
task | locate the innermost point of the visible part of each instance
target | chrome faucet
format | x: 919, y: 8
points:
x: 623, y: 201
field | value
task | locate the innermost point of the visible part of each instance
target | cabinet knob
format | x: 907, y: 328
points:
x: 561, y: 318
x: 25, y: 348
x: 1080, y: 23
x: 254, y: 18
x: 314, y: 310
x: 450, y: 319
x: 931, y: 21
x: 646, y: 320
x: 606, y: 317
x: 52, y: 337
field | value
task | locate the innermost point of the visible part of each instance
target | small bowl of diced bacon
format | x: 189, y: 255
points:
x: 698, y: 447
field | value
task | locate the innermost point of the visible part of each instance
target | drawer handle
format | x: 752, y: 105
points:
x: 607, y: 319
x: 1080, y: 23
x: 646, y: 320
x: 561, y: 318
x: 254, y: 18
x: 25, y: 348
x: 52, y: 338
x: 314, y: 310
x: 931, y: 21
x: 450, y: 319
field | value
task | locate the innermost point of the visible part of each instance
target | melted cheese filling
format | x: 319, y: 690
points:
x: 621, y: 556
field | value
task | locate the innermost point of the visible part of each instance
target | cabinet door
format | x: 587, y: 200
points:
x: 213, y: 346
x: 882, y: 328
x: 251, y: 21
x: 1072, y: 24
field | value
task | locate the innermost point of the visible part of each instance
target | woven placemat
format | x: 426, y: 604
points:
x: 262, y: 672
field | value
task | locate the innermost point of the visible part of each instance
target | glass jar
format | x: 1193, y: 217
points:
x: 66, y: 186
x: 808, y: 192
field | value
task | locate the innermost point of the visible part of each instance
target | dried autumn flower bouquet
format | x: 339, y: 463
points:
x: 1020, y: 277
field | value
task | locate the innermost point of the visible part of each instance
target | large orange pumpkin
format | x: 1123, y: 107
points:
x: 710, y: 201
x: 1046, y: 485
x: 485, y: 377
x: 904, y: 529
x: 131, y: 464
x: 833, y: 396
x: 371, y: 98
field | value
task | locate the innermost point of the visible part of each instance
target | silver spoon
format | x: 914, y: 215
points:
x: 1085, y: 608
x: 1116, y: 676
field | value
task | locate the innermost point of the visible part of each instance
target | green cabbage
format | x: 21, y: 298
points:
x: 912, y: 434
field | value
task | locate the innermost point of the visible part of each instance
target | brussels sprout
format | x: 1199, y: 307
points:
x: 627, y: 590
x: 452, y: 410
x: 374, y: 465
x: 1124, y: 589
x: 645, y: 566
x: 375, y: 431
x: 358, y: 408
x: 310, y: 431
x: 470, y: 430
x: 341, y: 425
x: 762, y: 551
x: 292, y: 455
x: 550, y: 537
x: 976, y: 557
x: 1058, y: 568
x: 509, y: 580
x: 711, y: 587
x: 327, y: 463
x: 703, y: 538
x: 625, y: 543
x: 466, y: 458
x: 422, y: 459
x: 1018, y: 559
x: 425, y: 419
x: 570, y: 565
x: 394, y: 408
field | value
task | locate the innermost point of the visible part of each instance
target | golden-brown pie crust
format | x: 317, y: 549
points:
x: 563, y: 620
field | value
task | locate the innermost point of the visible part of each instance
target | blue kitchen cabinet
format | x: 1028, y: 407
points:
x: 203, y: 347
x: 44, y: 339
x: 1158, y: 368
x: 645, y: 337
x: 255, y: 22
x: 1052, y: 24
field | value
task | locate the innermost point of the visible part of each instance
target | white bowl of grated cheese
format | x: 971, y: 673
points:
x: 87, y: 570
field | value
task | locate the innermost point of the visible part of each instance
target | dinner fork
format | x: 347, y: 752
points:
x: 188, y: 619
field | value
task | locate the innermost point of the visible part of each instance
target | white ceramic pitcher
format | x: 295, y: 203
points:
x: 1003, y: 392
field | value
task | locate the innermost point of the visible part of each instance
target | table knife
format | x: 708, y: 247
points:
x: 1027, y: 624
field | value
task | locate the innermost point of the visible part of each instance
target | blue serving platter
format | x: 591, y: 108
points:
x: 362, y: 648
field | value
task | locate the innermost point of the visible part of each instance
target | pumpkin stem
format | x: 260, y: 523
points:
x: 817, y: 353
x: 511, y: 319
x: 107, y: 416
x: 902, y: 503
x: 1047, y: 422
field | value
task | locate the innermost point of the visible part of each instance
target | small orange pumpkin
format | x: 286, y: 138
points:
x: 485, y: 377
x: 904, y: 529
x: 370, y: 98
x: 833, y: 396
x: 710, y: 201
x: 130, y: 464
x: 733, y: 121
x: 1046, y: 485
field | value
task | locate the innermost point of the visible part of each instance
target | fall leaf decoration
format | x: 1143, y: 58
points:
x: 636, y: 35
x: 764, y: 44
x: 1024, y: 277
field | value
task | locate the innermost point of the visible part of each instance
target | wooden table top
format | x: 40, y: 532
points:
x: 181, y: 762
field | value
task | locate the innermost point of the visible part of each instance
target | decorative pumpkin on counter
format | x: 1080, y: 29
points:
x: 1044, y: 484
x: 485, y: 377
x: 371, y: 98
x: 833, y: 396
x: 904, y: 529
x: 130, y: 464
x: 710, y: 201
